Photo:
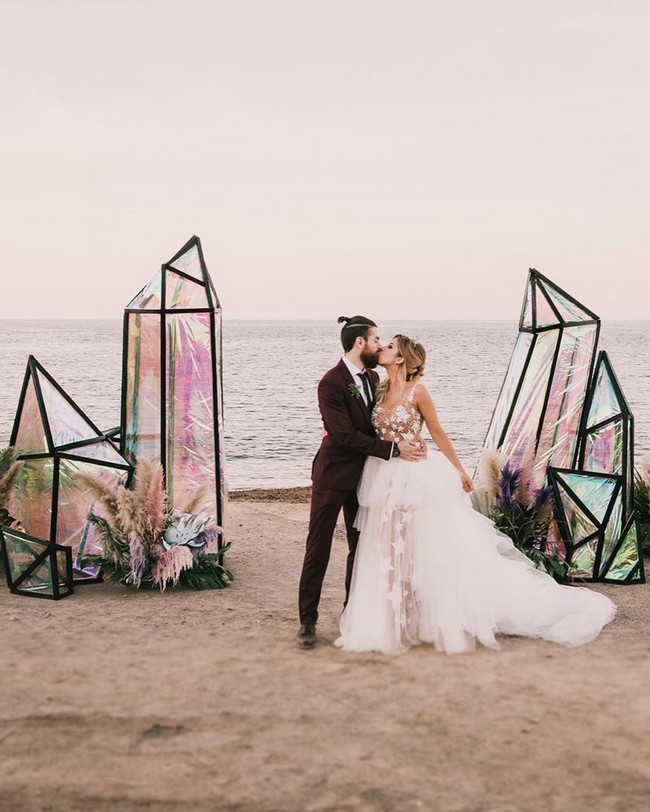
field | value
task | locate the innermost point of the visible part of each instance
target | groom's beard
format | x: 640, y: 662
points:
x: 370, y: 359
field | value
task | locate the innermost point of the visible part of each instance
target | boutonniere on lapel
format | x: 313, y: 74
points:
x: 354, y: 390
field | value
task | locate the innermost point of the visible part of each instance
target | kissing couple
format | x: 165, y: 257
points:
x: 423, y: 566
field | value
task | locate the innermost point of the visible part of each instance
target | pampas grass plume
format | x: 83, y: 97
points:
x: 156, y: 501
x: 149, y: 501
x: 527, y: 491
x: 489, y: 472
x: 106, y: 495
x: 169, y: 565
x: 137, y: 558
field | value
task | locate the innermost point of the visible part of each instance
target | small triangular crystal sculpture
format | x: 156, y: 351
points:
x: 56, y: 441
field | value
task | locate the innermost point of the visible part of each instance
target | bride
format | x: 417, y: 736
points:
x: 428, y: 567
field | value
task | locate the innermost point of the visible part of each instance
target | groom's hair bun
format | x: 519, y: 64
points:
x: 353, y: 328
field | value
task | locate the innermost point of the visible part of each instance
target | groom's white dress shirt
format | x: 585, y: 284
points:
x: 355, y: 372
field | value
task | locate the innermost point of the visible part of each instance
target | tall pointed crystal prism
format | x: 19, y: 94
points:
x: 172, y: 400
x: 539, y: 407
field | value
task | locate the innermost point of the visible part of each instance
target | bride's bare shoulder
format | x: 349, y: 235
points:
x: 419, y: 388
x: 421, y: 393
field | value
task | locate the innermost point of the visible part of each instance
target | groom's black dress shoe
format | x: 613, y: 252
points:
x: 306, y: 637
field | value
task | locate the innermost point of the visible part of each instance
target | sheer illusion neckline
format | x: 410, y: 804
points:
x: 402, y: 421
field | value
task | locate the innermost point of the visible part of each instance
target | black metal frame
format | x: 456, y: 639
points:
x: 624, y: 417
x: 56, y: 453
x: 213, y: 308
x: 624, y: 479
x: 556, y: 482
x: 534, y: 276
x: 50, y: 550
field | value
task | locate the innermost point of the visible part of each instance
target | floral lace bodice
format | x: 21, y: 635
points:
x: 400, y: 422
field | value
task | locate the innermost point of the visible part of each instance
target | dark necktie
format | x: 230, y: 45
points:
x: 366, y: 388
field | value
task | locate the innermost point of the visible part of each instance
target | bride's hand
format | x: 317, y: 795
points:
x: 466, y: 482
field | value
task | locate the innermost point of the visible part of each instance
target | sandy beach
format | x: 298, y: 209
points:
x: 116, y: 699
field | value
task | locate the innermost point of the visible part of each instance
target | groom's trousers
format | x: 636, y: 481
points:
x: 326, y: 505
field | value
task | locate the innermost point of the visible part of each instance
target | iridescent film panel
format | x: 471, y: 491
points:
x: 143, y: 386
x: 21, y: 553
x: 191, y: 460
x: 579, y: 524
x: 102, y: 451
x: 605, y: 402
x: 612, y: 533
x: 583, y: 558
x: 223, y: 483
x: 150, y: 297
x: 545, y: 316
x: 527, y: 412
x: 594, y: 492
x: 506, y: 396
x: 67, y: 424
x: 189, y: 263
x: 36, y: 567
x: 561, y: 419
x: 74, y: 503
x: 182, y: 293
x: 604, y: 451
x: 30, y: 502
x: 569, y: 311
x: 627, y: 556
x: 30, y: 437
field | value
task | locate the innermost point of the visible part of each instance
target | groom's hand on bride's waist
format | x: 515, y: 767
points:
x: 412, y: 450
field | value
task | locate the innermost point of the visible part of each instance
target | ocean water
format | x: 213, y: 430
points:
x: 271, y: 369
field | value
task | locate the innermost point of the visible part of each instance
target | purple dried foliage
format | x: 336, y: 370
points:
x: 508, y: 484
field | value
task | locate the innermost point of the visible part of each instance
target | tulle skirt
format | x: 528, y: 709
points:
x: 431, y: 569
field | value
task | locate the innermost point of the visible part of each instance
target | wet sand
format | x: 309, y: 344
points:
x: 115, y: 699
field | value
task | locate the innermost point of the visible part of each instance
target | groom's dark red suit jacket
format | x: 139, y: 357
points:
x: 350, y: 435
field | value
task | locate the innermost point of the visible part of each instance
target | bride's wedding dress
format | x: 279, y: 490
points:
x: 429, y: 568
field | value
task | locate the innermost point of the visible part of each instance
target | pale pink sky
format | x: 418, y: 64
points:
x: 403, y: 159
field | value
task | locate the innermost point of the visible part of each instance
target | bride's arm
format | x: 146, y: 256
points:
x: 426, y: 407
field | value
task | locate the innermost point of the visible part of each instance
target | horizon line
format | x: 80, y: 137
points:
x: 323, y: 319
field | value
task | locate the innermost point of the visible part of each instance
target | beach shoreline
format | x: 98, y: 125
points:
x: 295, y: 495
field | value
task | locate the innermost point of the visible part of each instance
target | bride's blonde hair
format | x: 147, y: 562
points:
x: 412, y: 369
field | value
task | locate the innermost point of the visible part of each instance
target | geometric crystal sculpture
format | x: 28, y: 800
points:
x: 540, y: 404
x: 601, y: 545
x: 172, y: 401
x: 40, y: 569
x: 594, y: 500
x: 573, y: 422
x: 589, y: 515
x: 56, y: 442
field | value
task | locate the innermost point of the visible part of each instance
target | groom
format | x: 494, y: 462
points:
x: 346, y: 396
